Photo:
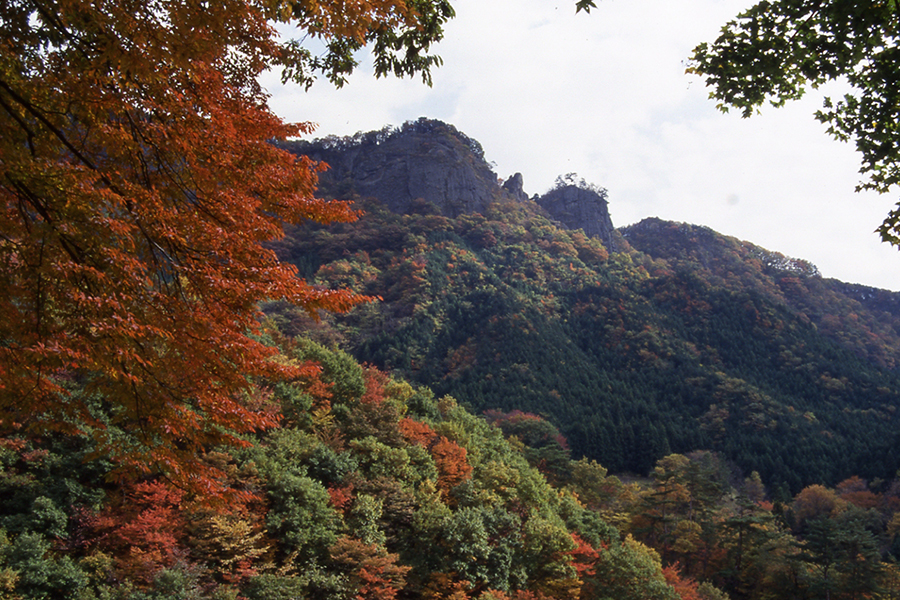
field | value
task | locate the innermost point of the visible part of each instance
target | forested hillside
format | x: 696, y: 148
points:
x: 524, y: 413
x: 682, y: 339
x: 420, y: 414
x: 368, y: 488
x: 372, y: 489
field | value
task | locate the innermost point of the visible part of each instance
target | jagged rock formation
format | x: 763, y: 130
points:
x: 424, y: 160
x: 514, y: 187
x: 430, y: 165
x: 581, y: 206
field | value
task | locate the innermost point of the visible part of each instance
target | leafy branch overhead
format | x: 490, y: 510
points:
x: 139, y: 183
x: 775, y: 51
x: 400, y: 35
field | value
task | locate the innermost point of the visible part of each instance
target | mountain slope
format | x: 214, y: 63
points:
x: 864, y: 319
x: 682, y: 339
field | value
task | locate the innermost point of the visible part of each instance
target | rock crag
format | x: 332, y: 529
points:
x: 430, y: 165
x: 424, y: 160
x: 581, y: 206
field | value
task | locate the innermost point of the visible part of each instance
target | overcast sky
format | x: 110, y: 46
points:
x: 549, y: 92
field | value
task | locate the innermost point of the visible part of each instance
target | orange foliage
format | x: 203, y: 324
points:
x: 816, y: 501
x: 372, y: 572
x: 685, y: 587
x: 417, y: 432
x: 446, y: 586
x: 341, y: 497
x: 583, y: 556
x: 449, y: 457
x: 452, y: 466
x: 375, y: 382
x: 310, y: 374
x: 353, y: 19
x: 856, y: 491
x: 143, y: 530
x: 138, y: 186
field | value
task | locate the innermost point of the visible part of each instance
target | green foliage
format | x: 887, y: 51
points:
x: 466, y: 544
x: 275, y: 587
x: 40, y: 573
x: 379, y: 460
x: 696, y: 341
x: 776, y: 50
x: 339, y: 370
x: 47, y: 518
x: 363, y: 519
x: 361, y: 507
x: 628, y: 570
x: 544, y: 446
x: 842, y: 555
x: 401, y: 50
x: 301, y: 516
x: 183, y: 582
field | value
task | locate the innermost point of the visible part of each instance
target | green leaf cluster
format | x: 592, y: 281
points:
x: 776, y: 50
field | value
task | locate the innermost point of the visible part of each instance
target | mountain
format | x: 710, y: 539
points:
x: 423, y: 162
x: 580, y: 206
x: 643, y: 346
x: 367, y: 488
x: 428, y: 163
x: 863, y: 319
x: 658, y: 338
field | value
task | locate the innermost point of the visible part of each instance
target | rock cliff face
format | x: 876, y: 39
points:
x: 581, y: 207
x: 514, y: 187
x: 424, y: 160
x: 430, y: 165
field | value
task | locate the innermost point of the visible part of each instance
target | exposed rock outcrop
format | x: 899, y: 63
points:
x: 423, y: 160
x: 430, y: 165
x: 514, y: 187
x: 581, y: 207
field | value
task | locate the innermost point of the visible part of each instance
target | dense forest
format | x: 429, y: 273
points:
x: 678, y: 339
x: 520, y: 411
x: 372, y: 488
x: 467, y: 393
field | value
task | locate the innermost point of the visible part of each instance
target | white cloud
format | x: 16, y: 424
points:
x: 547, y: 92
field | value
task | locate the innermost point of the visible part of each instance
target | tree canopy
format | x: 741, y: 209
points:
x: 778, y: 49
x: 139, y: 188
x: 138, y: 183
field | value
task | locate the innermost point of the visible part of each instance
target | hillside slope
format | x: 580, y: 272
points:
x: 683, y: 339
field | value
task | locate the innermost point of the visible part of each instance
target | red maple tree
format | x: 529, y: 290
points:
x: 138, y: 187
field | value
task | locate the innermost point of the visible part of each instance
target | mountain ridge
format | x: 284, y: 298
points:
x: 661, y: 337
x: 431, y: 165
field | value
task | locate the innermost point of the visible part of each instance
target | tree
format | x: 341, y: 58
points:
x: 776, y: 50
x: 626, y: 570
x: 138, y: 186
x: 842, y: 556
x: 372, y: 572
x: 815, y: 502
x: 143, y: 531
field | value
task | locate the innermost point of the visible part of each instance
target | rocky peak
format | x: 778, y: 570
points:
x: 432, y: 164
x: 514, y: 187
x: 579, y: 205
x: 424, y: 160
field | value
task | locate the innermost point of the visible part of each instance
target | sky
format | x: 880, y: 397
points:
x: 605, y: 95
